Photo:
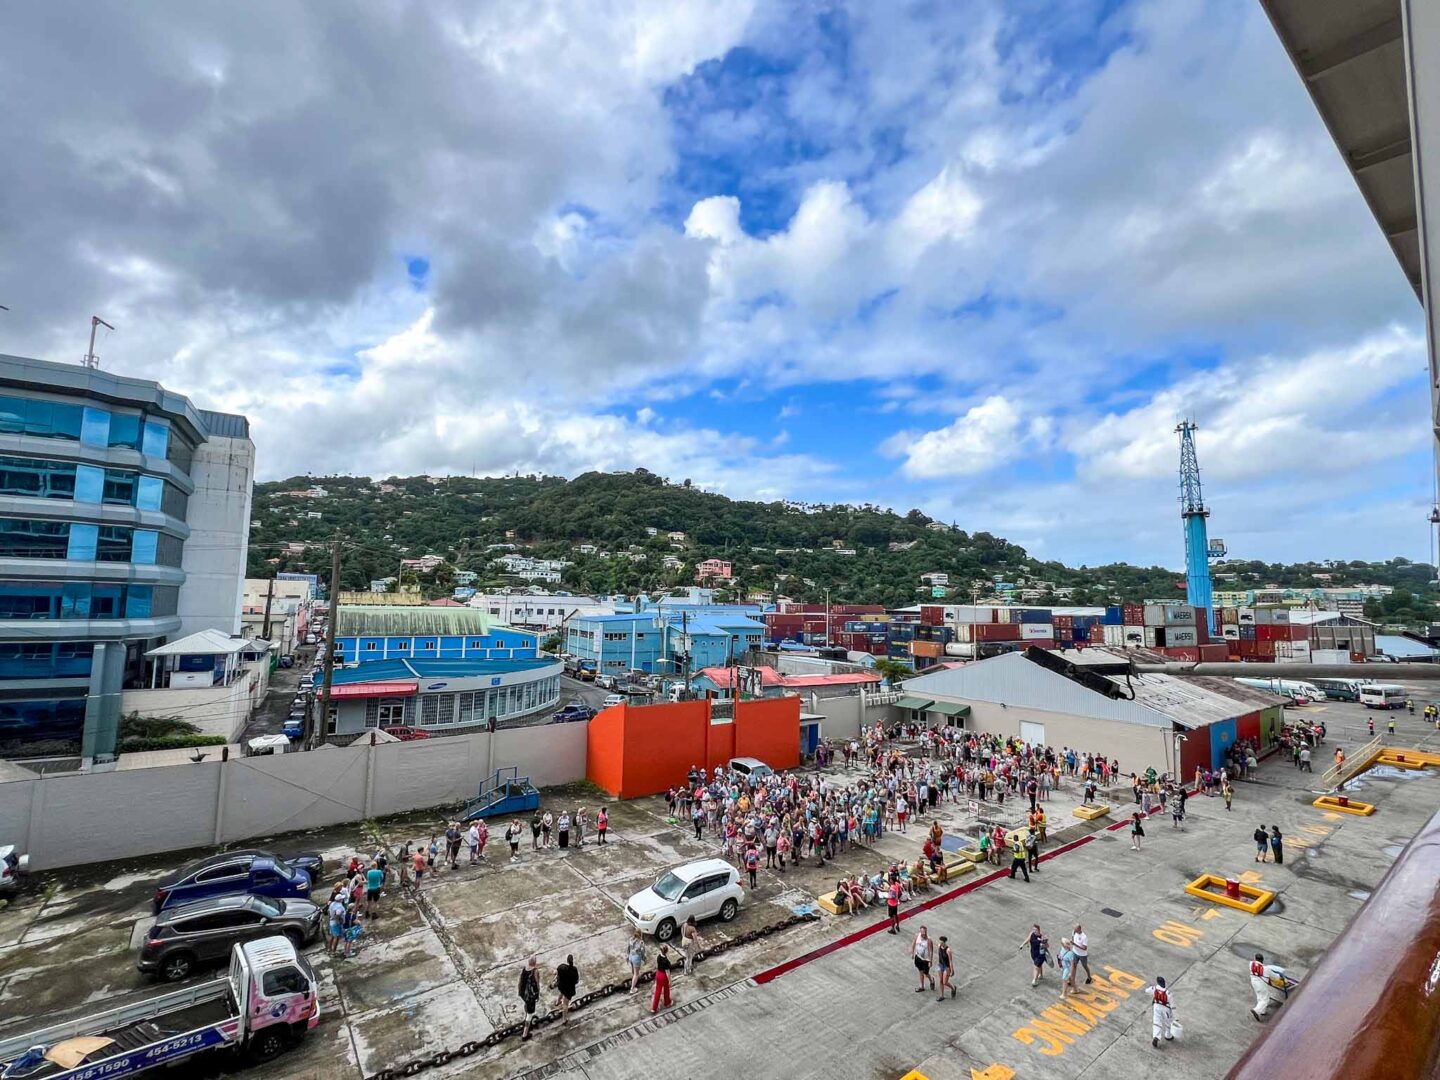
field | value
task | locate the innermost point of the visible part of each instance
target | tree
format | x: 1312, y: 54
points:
x: 892, y: 671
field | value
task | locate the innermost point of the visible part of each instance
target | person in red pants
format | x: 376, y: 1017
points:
x: 662, y: 979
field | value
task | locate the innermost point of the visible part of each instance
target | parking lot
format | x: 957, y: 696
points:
x: 440, y: 970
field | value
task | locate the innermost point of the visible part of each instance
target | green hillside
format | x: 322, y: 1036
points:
x: 794, y: 546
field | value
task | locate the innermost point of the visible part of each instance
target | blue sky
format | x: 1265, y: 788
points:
x: 976, y: 257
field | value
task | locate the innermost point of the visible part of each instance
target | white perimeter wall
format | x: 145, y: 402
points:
x: 69, y: 820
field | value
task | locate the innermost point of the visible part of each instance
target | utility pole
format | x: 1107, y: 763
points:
x: 269, y: 599
x: 331, y: 630
x: 685, y: 635
x: 827, y: 618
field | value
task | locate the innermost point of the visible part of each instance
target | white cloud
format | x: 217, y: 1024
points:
x: 988, y: 435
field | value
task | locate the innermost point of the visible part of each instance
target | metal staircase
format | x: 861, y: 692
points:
x: 1356, y: 763
x: 507, y: 792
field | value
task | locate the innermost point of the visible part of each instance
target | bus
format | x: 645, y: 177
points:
x: 1382, y: 696
x: 1291, y: 688
x: 1340, y: 689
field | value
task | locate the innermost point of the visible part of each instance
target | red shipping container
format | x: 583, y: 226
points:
x: 1133, y: 614
x: 1181, y: 654
x: 1244, y: 648
x: 1272, y: 634
x: 1040, y: 643
x: 1214, y: 654
x: 1064, y: 622
x: 929, y: 649
x: 1005, y: 631
x: 932, y: 615
x: 1265, y: 650
x: 1299, y: 633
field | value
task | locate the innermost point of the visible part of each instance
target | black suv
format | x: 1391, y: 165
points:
x: 185, y: 938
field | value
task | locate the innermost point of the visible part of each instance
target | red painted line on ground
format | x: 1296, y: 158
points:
x: 770, y: 974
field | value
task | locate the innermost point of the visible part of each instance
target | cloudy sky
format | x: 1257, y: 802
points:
x: 975, y: 257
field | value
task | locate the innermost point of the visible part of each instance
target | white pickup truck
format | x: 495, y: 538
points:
x: 266, y: 1002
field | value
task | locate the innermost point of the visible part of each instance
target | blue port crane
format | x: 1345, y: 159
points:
x: 1193, y: 512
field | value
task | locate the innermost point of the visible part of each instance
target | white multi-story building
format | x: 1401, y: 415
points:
x: 539, y: 611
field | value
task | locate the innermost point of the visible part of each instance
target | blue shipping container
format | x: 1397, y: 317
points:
x: 1039, y: 616
x: 1114, y: 617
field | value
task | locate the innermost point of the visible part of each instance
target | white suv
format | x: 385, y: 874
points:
x: 702, y: 889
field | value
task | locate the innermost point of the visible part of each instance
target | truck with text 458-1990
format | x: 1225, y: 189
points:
x: 265, y: 1003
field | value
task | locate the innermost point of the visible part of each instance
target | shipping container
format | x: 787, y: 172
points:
x: 1245, y: 648
x: 1064, y: 622
x: 932, y: 614
x: 1114, y: 616
x: 1081, y: 635
x: 1270, y: 632
x: 1245, y: 616
x: 1036, y: 615
x: 1248, y: 632
x: 1134, y: 637
x: 1154, y: 636
x: 1265, y: 649
x: 1230, y: 631
x: 1191, y: 654
x: 1179, y: 615
x: 1035, y: 631
x: 1229, y: 615
x: 928, y: 649
x: 1006, y: 631
x: 1180, y: 637
x: 1280, y: 615
x: 1133, y: 614
x: 1299, y: 632
x: 1214, y: 654
x: 1155, y: 614
x: 1115, y: 633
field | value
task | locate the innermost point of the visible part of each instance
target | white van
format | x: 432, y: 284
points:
x: 706, y: 889
x: 1382, y: 696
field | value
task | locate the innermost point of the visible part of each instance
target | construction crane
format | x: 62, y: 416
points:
x: 90, y: 360
x: 1193, y: 512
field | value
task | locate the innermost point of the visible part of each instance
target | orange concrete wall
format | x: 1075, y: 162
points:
x: 637, y: 750
x: 769, y: 729
x: 605, y: 749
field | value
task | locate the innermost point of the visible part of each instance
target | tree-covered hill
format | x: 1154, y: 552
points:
x: 628, y: 518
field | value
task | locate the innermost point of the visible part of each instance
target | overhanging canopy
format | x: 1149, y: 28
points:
x: 908, y: 702
x: 950, y: 708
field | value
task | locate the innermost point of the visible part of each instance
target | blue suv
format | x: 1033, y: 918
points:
x: 239, y: 872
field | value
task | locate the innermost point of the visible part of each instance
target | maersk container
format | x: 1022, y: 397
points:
x: 1179, y: 615
x: 1181, y: 637
x: 1036, y: 631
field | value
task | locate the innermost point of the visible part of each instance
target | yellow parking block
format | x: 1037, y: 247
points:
x: 1203, y: 888
x: 1091, y: 812
x: 1344, y: 804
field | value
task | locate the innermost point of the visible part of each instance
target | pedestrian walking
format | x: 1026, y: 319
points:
x: 1032, y: 849
x: 892, y: 904
x: 1370, y: 723
x: 1391, y: 725
x: 1019, y: 859
x: 1137, y: 831
x: 1229, y: 793
x: 944, y: 967
x: 472, y: 841
x: 1305, y: 760
x: 1162, y: 1012
x: 1262, y: 844
x: 662, y: 979
x: 579, y: 826
x: 1277, y: 844
x: 1067, y: 967
x: 602, y: 823
x: 752, y: 862
x: 1039, y: 948
x: 335, y: 931
x: 689, y: 943
x: 374, y: 882
x: 547, y: 822
x: 403, y: 859
x: 567, y: 981
x: 420, y: 864
x: 1081, y: 944
x: 535, y: 827
x: 529, y: 991
x: 921, y: 950
x: 1270, y: 986
x: 635, y: 957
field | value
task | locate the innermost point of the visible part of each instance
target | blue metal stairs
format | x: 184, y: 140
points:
x: 505, y: 793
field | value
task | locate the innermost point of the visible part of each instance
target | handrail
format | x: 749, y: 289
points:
x: 1356, y: 763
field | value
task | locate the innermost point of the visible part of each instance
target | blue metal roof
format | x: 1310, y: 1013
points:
x: 1395, y: 645
x: 399, y: 670
x: 643, y: 616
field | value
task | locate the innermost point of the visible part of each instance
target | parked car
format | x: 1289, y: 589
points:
x: 573, y: 713
x: 613, y: 699
x: 239, y: 872
x: 287, y: 660
x: 202, y: 934
x: 406, y: 734
x: 294, y: 728
x: 705, y: 889
x: 12, y: 865
x: 605, y: 682
x: 746, y: 767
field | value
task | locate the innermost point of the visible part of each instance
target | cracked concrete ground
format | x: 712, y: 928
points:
x: 441, y: 970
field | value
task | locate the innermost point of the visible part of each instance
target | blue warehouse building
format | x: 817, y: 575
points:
x: 418, y: 632
x: 617, y: 643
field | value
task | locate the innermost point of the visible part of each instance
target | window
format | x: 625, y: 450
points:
x: 221, y: 871
x: 371, y: 646
x: 694, y: 891
x: 155, y: 439
x: 445, y: 709
x: 402, y: 646
x: 125, y: 430
x: 466, y: 708
x: 429, y: 710
x: 287, y: 980
x: 427, y: 645
x: 37, y: 479
x: 391, y: 713
x: 180, y: 453
x: 24, y: 539
x: 46, y: 419
x: 45, y: 660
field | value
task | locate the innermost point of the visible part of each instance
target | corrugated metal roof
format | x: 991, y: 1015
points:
x: 1013, y: 680
x: 1395, y: 645
x: 225, y: 425
x: 393, y: 620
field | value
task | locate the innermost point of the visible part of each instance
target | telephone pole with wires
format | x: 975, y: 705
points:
x: 330, y: 631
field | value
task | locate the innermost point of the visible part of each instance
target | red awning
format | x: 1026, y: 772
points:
x: 374, y: 689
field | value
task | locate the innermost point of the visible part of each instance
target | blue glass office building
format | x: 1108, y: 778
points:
x: 98, y: 496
